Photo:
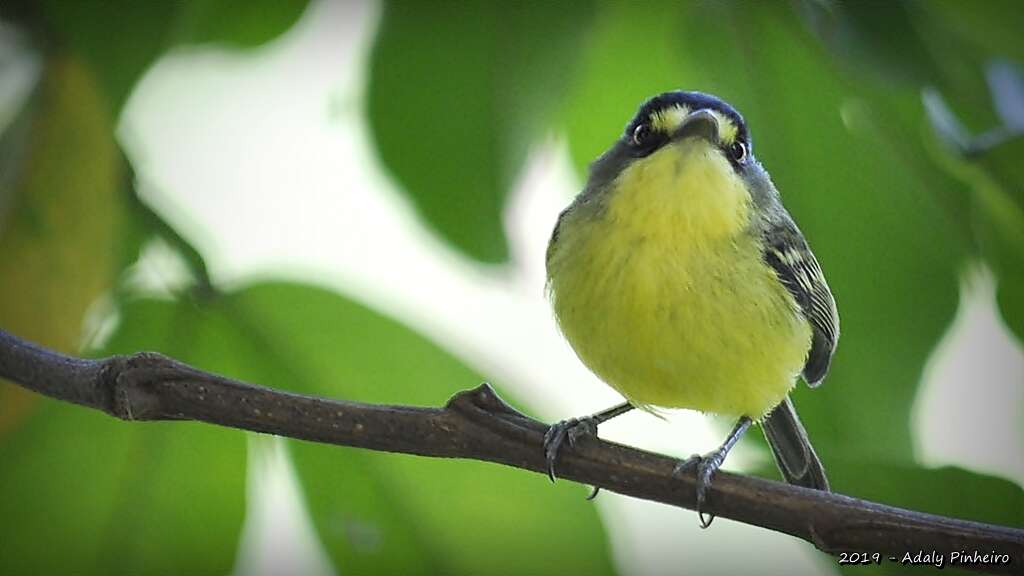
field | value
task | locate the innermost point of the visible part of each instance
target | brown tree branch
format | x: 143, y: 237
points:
x: 477, y: 424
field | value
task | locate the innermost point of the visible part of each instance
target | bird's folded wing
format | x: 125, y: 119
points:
x: 787, y: 252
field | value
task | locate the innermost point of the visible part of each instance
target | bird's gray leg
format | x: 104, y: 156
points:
x: 574, y: 428
x: 708, y: 464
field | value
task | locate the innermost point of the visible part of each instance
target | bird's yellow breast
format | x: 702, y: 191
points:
x: 662, y: 291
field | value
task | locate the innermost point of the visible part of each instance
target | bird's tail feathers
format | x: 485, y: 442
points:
x: 793, y: 452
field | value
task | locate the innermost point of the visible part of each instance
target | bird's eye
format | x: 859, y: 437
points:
x: 738, y: 151
x: 641, y: 134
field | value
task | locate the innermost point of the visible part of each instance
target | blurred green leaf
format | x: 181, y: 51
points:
x: 1002, y: 158
x: 997, y: 150
x: 120, y: 58
x: 146, y: 29
x: 632, y: 54
x: 989, y: 165
x: 93, y: 495
x: 947, y: 491
x: 241, y: 24
x: 82, y: 32
x: 881, y: 36
x: 897, y: 127
x: 1005, y: 169
x: 993, y: 27
x: 919, y: 43
x: 1000, y: 229
x: 380, y: 513
x: 457, y: 93
x: 54, y: 263
x: 955, y: 50
x: 143, y: 224
x: 1010, y: 295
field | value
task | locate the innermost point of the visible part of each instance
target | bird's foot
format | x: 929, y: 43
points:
x: 705, y: 467
x: 572, y: 430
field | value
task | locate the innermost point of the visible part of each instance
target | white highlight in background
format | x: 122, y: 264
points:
x: 975, y: 376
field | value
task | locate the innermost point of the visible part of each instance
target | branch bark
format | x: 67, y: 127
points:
x: 477, y: 424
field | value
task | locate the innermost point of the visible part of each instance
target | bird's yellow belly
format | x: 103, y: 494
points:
x: 704, y: 327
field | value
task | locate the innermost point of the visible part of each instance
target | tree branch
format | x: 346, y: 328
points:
x: 477, y: 424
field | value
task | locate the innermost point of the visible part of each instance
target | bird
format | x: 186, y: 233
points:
x: 679, y: 279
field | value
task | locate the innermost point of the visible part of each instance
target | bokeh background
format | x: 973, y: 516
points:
x: 353, y: 199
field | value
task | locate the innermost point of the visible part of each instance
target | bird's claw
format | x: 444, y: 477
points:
x: 706, y: 466
x: 572, y: 430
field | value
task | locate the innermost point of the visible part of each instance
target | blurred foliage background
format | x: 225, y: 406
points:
x: 893, y: 129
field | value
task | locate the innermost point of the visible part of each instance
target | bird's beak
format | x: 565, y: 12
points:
x: 701, y: 123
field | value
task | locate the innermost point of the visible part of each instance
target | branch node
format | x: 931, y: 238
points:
x: 483, y: 397
x: 130, y: 380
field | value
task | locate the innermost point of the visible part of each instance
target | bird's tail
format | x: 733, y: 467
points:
x: 792, y: 449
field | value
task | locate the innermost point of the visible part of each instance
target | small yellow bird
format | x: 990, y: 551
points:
x: 681, y: 281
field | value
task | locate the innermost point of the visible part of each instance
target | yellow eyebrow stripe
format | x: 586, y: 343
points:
x: 668, y: 119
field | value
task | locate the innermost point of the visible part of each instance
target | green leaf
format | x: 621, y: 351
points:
x: 992, y: 173
x: 383, y: 513
x: 143, y: 224
x: 1010, y: 295
x: 993, y: 26
x: 947, y: 491
x: 240, y: 24
x: 918, y: 44
x: 82, y: 164
x: 880, y: 36
x: 82, y: 33
x: 1003, y: 195
x: 1003, y: 164
x: 84, y: 493
x: 457, y: 93
x: 632, y: 55
x: 121, y: 38
x: 999, y: 223
x: 120, y: 58
x: 54, y: 263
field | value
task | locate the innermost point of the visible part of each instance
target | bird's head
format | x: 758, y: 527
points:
x: 674, y: 117
x: 690, y: 150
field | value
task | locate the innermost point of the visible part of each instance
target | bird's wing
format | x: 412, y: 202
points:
x: 786, y: 250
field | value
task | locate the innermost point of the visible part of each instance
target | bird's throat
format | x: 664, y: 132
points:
x: 687, y: 192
